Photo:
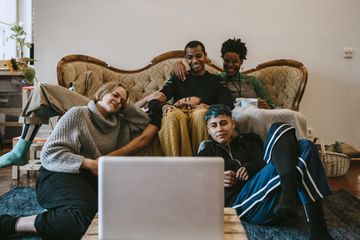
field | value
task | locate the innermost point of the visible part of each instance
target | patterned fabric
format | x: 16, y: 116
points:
x: 139, y: 84
x: 281, y: 82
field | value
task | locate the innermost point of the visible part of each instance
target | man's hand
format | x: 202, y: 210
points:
x: 263, y: 104
x: 229, y: 178
x: 180, y: 70
x: 242, y: 174
x: 188, y: 103
x: 156, y: 95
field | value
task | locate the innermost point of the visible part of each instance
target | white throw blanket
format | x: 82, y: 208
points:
x: 253, y: 119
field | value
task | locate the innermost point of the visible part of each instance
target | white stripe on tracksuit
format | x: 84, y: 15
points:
x: 312, y: 183
x: 257, y: 193
x: 259, y: 200
x: 271, y: 145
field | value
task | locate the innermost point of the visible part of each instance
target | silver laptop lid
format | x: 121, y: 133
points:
x: 161, y: 198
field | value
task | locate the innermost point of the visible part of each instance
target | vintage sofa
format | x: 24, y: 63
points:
x: 284, y: 79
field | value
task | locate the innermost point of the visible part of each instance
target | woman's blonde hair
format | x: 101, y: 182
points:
x: 108, y: 87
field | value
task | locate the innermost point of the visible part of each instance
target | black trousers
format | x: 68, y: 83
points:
x: 71, y: 201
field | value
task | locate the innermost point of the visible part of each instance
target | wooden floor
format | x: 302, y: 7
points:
x: 350, y: 182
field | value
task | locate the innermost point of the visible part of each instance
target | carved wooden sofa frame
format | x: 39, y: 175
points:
x: 284, y: 79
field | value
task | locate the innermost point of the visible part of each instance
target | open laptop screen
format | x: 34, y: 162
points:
x: 161, y: 198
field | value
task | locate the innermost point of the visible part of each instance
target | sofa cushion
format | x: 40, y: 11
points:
x: 87, y: 83
x: 140, y: 83
x: 284, y: 79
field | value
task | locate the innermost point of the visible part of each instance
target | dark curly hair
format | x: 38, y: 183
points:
x: 234, y: 45
x: 194, y: 44
x: 216, y: 110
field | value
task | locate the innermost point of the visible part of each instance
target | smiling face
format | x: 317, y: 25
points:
x: 221, y: 128
x: 196, y: 58
x: 112, y: 101
x: 232, y: 63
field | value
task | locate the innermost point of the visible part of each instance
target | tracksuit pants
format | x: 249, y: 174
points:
x: 259, y: 196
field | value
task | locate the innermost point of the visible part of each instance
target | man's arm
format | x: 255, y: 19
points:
x: 254, y: 147
x: 168, y: 89
x: 180, y: 70
x: 155, y: 95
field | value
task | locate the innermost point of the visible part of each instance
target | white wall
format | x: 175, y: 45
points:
x: 129, y: 33
x: 25, y: 15
x: 7, y: 15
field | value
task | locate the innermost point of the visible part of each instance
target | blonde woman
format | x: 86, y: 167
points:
x: 67, y: 183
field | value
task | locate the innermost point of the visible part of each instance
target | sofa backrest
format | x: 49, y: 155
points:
x: 139, y: 82
x: 285, y: 80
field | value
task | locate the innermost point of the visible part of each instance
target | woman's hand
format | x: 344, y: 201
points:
x: 91, y: 165
x: 167, y: 108
x: 242, y: 174
x: 202, y: 106
x: 180, y: 70
x: 126, y: 104
x: 156, y: 95
x: 229, y: 178
x: 263, y: 104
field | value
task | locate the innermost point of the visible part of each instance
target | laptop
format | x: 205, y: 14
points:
x: 161, y: 198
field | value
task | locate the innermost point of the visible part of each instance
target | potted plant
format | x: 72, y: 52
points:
x: 18, y: 66
x: 18, y: 34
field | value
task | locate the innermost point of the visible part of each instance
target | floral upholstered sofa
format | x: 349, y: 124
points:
x: 285, y: 80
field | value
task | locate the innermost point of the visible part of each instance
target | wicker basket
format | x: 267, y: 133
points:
x: 335, y: 164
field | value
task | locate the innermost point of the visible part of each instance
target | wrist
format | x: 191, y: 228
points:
x: 87, y: 164
x: 165, y: 107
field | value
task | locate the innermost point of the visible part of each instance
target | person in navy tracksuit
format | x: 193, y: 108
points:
x: 264, y: 182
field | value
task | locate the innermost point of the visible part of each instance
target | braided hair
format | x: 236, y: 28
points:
x: 234, y: 45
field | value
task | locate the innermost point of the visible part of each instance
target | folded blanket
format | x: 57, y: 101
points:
x: 253, y: 119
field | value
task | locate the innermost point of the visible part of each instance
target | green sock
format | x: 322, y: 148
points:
x: 18, y: 155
